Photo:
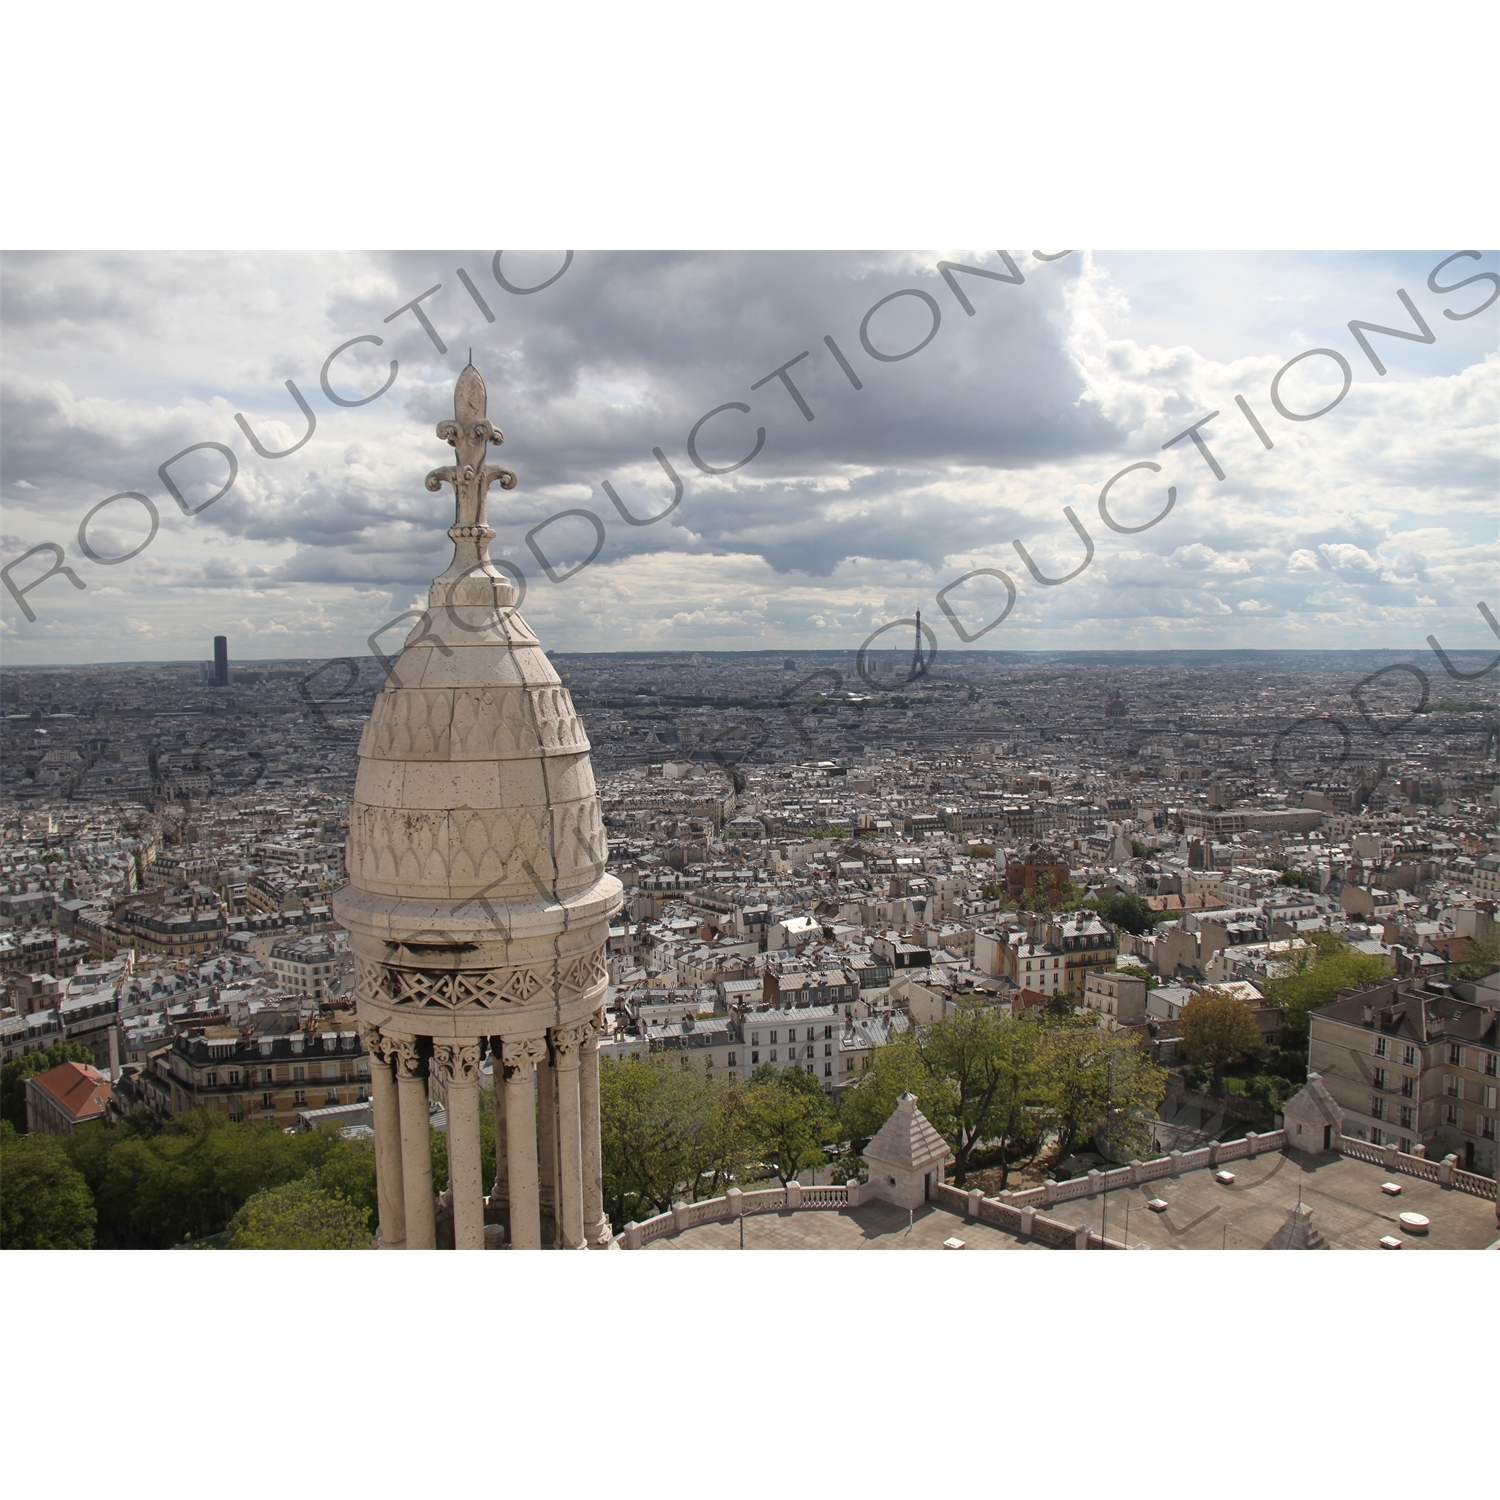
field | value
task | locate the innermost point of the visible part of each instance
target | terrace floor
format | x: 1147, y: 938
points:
x: 1348, y: 1208
x: 1347, y: 1205
x: 875, y: 1226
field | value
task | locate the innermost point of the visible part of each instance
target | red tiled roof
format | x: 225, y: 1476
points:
x: 1198, y: 901
x: 79, y: 1091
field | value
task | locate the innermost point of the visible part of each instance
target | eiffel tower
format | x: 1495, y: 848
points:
x: 918, y: 665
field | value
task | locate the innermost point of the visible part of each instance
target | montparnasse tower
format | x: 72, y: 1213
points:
x: 477, y: 902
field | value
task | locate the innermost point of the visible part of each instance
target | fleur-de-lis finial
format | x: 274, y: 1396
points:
x: 470, y: 433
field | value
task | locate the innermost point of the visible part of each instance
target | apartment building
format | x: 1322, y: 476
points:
x: 709, y: 1043
x: 1088, y: 945
x: 304, y: 966
x: 1119, y: 999
x: 1411, y: 1064
x: 805, y: 1037
x: 259, y: 1078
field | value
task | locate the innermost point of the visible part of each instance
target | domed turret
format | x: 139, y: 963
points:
x: 478, y: 905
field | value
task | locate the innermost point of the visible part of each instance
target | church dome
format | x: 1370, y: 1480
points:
x: 477, y: 900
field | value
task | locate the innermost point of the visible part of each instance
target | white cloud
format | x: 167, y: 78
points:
x: 113, y: 363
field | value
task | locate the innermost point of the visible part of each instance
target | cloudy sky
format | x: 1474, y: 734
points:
x: 1372, y: 525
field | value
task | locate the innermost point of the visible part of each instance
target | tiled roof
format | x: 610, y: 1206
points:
x: 81, y: 1092
x: 907, y: 1139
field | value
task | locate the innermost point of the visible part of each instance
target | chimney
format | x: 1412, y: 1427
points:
x: 1369, y: 1015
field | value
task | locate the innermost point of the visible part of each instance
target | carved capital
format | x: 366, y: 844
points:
x: 520, y: 1053
x: 595, y: 1025
x: 406, y: 1053
x: 456, y: 1062
x: 375, y: 1042
x: 566, y: 1040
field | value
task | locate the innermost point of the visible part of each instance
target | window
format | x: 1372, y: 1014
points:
x: 364, y: 1095
x: 773, y: 1054
x: 1408, y: 1119
x: 330, y: 1096
x: 754, y: 1058
x: 1376, y: 1138
x: 809, y: 1053
x: 755, y: 1038
x: 1455, y: 1054
x: 828, y: 1070
x: 827, y: 1049
x: 1408, y: 1087
x: 267, y: 1075
x: 1405, y: 1147
x: 298, y: 1074
x: 1488, y: 1096
x: 299, y: 1098
x: 731, y: 1059
x: 237, y: 1115
x: 1491, y: 1064
x: 1382, y: 1046
x: 1453, y: 1086
x: 1379, y: 1078
x: 1487, y: 1127
x: 773, y: 1038
x: 234, y: 1077
x: 1377, y: 1109
x: 1409, y: 1057
x: 211, y: 1079
x: 268, y: 1101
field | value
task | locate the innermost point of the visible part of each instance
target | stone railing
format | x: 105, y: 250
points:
x: 1026, y: 1222
x: 1471, y: 1182
x: 1446, y: 1173
x: 733, y: 1205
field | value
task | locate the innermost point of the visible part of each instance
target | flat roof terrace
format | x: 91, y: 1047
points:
x: 874, y: 1226
x: 1348, y: 1205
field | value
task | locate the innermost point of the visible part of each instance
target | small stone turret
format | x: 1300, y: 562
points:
x: 1313, y: 1119
x: 907, y: 1157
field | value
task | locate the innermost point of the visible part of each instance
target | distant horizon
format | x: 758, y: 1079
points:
x: 1125, y: 655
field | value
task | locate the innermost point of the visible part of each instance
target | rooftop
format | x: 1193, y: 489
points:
x: 1349, y: 1210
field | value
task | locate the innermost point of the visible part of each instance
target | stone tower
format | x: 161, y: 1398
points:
x: 477, y: 902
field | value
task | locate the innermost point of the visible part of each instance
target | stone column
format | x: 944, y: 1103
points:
x: 416, y: 1143
x: 595, y: 1225
x: 546, y: 1094
x: 566, y: 1043
x: 387, y: 1115
x: 500, y: 1188
x: 457, y: 1065
x: 519, y: 1058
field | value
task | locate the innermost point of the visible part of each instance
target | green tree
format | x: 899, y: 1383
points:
x: 45, y: 1203
x: 348, y: 1169
x: 1312, y: 979
x: 1218, y: 1029
x: 300, y: 1215
x: 979, y: 1077
x: 1096, y: 1079
x: 13, y: 1076
x: 895, y: 1069
x: 1480, y: 959
x: 650, y: 1118
x: 788, y: 1121
x: 1126, y: 910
